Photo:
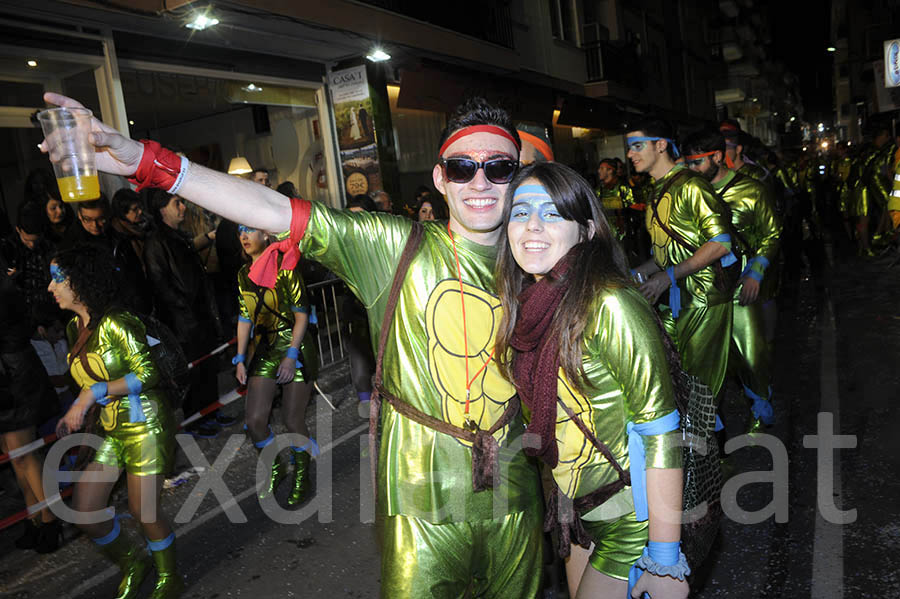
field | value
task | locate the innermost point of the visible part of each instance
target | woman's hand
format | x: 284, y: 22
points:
x: 240, y: 373
x: 749, y: 291
x: 660, y: 587
x: 115, y: 153
x: 286, y: 371
x: 654, y: 286
x: 74, y: 418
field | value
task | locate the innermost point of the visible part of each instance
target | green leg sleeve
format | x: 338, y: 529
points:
x: 168, y: 582
x: 131, y: 560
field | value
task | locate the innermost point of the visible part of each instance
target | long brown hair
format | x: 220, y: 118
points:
x: 598, y: 263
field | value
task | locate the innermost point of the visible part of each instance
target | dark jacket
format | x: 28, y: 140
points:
x: 183, y: 298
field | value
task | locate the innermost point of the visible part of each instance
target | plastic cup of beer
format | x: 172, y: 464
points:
x: 67, y: 133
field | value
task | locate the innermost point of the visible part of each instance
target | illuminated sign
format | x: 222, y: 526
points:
x: 892, y: 63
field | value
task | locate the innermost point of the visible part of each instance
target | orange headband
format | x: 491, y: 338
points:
x: 698, y: 156
x: 478, y: 129
x: 542, y: 146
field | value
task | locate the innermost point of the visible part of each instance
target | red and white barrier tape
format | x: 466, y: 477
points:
x: 218, y: 350
x: 33, y: 509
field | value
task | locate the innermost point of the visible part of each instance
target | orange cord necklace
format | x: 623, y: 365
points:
x: 469, y: 424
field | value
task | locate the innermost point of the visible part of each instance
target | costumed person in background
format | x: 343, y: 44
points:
x: 41, y: 189
x: 690, y: 229
x: 615, y: 196
x: 431, y: 208
x: 736, y: 143
x: 276, y: 321
x: 588, y: 358
x: 450, y: 519
x: 121, y: 387
x: 26, y: 398
x: 758, y: 229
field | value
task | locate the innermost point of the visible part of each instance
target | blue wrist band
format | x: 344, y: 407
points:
x: 238, y: 359
x: 135, y: 410
x: 674, y: 293
x: 294, y: 353
x: 244, y: 319
x: 99, y: 390
x: 664, y: 554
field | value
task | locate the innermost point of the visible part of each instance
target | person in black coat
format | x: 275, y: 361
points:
x: 184, y: 302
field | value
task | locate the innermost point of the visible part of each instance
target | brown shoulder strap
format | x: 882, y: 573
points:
x: 625, y: 477
x: 79, y: 350
x: 738, y: 177
x: 409, y: 251
x: 654, y: 206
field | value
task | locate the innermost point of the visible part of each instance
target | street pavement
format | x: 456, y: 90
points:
x: 836, y: 352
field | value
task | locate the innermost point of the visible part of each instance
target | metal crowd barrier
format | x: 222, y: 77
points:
x: 333, y: 328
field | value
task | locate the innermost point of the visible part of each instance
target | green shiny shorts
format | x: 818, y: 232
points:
x: 139, y: 448
x: 617, y: 544
x: 499, y: 559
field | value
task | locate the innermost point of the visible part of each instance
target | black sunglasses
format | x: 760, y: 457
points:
x: 462, y: 170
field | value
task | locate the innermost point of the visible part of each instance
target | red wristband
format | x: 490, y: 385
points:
x: 160, y: 167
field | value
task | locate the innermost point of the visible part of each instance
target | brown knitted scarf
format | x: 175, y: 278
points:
x: 536, y: 362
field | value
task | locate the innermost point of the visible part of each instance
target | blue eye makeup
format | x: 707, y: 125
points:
x: 57, y: 274
x: 245, y: 229
x: 534, y: 199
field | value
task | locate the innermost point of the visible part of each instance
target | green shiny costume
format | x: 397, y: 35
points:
x: 426, y: 508
x: 841, y: 169
x: 702, y: 331
x: 615, y: 199
x: 753, y: 216
x: 118, y: 346
x: 894, y: 200
x: 272, y: 333
x: 755, y: 172
x: 872, y: 186
x: 628, y: 376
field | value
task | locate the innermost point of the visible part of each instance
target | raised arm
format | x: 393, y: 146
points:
x: 236, y: 199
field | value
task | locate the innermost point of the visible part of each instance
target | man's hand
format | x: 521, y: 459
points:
x: 749, y: 291
x: 654, y: 286
x: 660, y: 587
x: 115, y: 153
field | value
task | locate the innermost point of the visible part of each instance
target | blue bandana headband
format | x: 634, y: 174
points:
x: 631, y: 140
x: 57, y: 274
x: 529, y: 199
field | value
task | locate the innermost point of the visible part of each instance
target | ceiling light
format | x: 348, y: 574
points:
x: 130, y: 122
x: 252, y: 87
x: 202, y: 22
x: 793, y: 118
x: 831, y: 49
x: 378, y: 55
x: 239, y: 166
x: 31, y: 63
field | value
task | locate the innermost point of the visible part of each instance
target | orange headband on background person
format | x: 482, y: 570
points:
x: 466, y: 131
x: 703, y: 155
x: 542, y: 146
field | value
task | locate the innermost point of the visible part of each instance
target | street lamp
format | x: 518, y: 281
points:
x: 831, y: 49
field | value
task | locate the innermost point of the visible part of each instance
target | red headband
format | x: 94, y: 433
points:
x: 478, y: 129
x: 704, y: 155
x: 729, y: 127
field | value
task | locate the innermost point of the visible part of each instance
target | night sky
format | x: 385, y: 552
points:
x: 800, y: 36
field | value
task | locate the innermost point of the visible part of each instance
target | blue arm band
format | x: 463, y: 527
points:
x: 99, y: 390
x: 300, y: 309
x: 674, y: 293
x: 755, y: 276
x: 238, y: 359
x: 244, y: 319
x: 135, y: 410
x: 638, y: 457
x: 294, y: 353
x: 313, y: 319
x: 134, y: 383
x: 729, y: 258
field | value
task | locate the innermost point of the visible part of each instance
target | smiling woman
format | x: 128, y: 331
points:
x: 576, y: 335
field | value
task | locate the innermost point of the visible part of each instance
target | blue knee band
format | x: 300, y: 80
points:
x: 312, y: 448
x: 111, y: 535
x: 163, y: 544
x: 266, y: 441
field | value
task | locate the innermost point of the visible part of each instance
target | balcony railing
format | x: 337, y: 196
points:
x: 610, y: 61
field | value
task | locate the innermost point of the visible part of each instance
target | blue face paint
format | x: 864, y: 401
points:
x: 245, y: 229
x: 636, y: 144
x: 56, y: 274
x: 534, y: 199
